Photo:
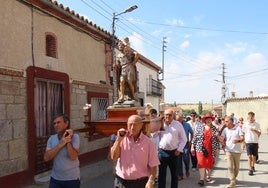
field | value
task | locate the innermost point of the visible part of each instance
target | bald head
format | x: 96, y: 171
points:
x: 134, y: 125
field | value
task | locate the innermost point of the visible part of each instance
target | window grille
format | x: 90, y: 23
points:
x: 98, y: 108
x: 154, y: 87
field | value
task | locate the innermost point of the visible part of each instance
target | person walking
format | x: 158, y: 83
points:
x: 172, y: 142
x: 194, y: 123
x: 184, y: 157
x: 136, y: 156
x: 252, y: 133
x: 233, y: 136
x: 207, y: 146
x: 63, y: 148
x: 240, y: 124
x: 111, y: 143
x: 155, y: 133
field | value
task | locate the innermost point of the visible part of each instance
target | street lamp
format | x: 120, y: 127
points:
x: 113, y: 46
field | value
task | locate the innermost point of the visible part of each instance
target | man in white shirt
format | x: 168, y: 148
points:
x: 172, y: 142
x: 233, y: 136
x: 252, y: 133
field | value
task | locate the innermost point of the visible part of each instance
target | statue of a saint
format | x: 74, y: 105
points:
x: 126, y: 72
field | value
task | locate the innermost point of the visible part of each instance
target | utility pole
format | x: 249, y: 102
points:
x: 163, y: 57
x: 223, y: 91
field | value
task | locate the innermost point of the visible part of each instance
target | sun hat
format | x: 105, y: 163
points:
x: 207, y: 116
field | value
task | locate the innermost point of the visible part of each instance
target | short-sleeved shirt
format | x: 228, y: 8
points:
x: 231, y: 135
x: 63, y: 167
x: 136, y: 158
x: 251, y: 136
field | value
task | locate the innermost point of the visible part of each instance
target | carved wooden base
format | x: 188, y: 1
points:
x: 117, y: 118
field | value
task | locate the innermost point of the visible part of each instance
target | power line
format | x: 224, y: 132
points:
x: 129, y: 27
x: 207, y: 29
x: 249, y: 73
x: 147, y: 41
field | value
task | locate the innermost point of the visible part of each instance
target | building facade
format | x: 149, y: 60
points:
x: 241, y: 106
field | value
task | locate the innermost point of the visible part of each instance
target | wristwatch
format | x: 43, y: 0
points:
x: 151, y: 181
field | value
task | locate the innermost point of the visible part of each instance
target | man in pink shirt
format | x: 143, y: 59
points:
x: 136, y: 156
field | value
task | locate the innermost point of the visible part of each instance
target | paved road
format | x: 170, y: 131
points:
x: 219, y: 174
x: 99, y: 175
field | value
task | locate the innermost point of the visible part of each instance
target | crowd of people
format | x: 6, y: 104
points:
x: 142, y: 161
x: 184, y: 145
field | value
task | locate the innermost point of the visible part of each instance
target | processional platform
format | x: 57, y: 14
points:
x: 117, y: 118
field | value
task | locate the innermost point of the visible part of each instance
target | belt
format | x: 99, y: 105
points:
x: 131, y: 181
x: 168, y: 151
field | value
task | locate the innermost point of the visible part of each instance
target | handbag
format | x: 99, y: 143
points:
x: 204, y: 151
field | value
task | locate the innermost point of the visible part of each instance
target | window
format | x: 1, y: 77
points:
x: 99, y: 112
x: 51, y: 45
x: 99, y: 103
x: 154, y: 87
x: 49, y: 101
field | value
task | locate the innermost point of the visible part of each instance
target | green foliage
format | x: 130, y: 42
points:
x: 187, y: 112
x: 205, y: 112
x: 200, y: 108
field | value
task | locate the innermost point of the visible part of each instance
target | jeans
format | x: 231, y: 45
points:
x: 185, y: 158
x: 64, y: 183
x: 167, y: 159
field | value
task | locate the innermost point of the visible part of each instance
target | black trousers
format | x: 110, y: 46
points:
x: 122, y: 183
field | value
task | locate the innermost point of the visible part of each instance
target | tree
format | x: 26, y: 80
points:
x: 200, y: 108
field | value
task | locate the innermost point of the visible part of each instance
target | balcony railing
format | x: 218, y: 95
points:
x: 154, y: 87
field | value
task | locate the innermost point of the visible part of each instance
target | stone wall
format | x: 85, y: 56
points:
x: 13, y: 125
x: 78, y: 100
x: 258, y: 105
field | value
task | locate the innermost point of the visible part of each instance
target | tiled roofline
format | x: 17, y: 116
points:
x: 246, y: 98
x: 59, y: 11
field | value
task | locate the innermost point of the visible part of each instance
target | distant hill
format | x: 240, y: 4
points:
x: 195, y: 106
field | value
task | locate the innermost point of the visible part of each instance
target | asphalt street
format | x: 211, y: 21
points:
x: 99, y: 175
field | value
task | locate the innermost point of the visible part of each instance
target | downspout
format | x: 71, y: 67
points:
x: 32, y: 36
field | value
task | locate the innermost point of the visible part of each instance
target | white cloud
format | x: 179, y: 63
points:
x: 175, y: 22
x: 137, y: 44
x: 184, y: 45
x: 187, y: 36
x: 255, y: 59
x: 237, y: 48
x: 156, y: 33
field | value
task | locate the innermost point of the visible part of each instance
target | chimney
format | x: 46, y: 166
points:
x: 251, y: 94
x: 233, y: 94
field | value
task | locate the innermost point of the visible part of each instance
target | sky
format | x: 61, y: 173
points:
x: 206, y: 43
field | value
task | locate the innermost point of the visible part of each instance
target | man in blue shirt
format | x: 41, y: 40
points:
x: 185, y: 155
x: 63, y: 148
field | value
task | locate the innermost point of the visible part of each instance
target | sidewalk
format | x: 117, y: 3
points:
x: 100, y: 174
